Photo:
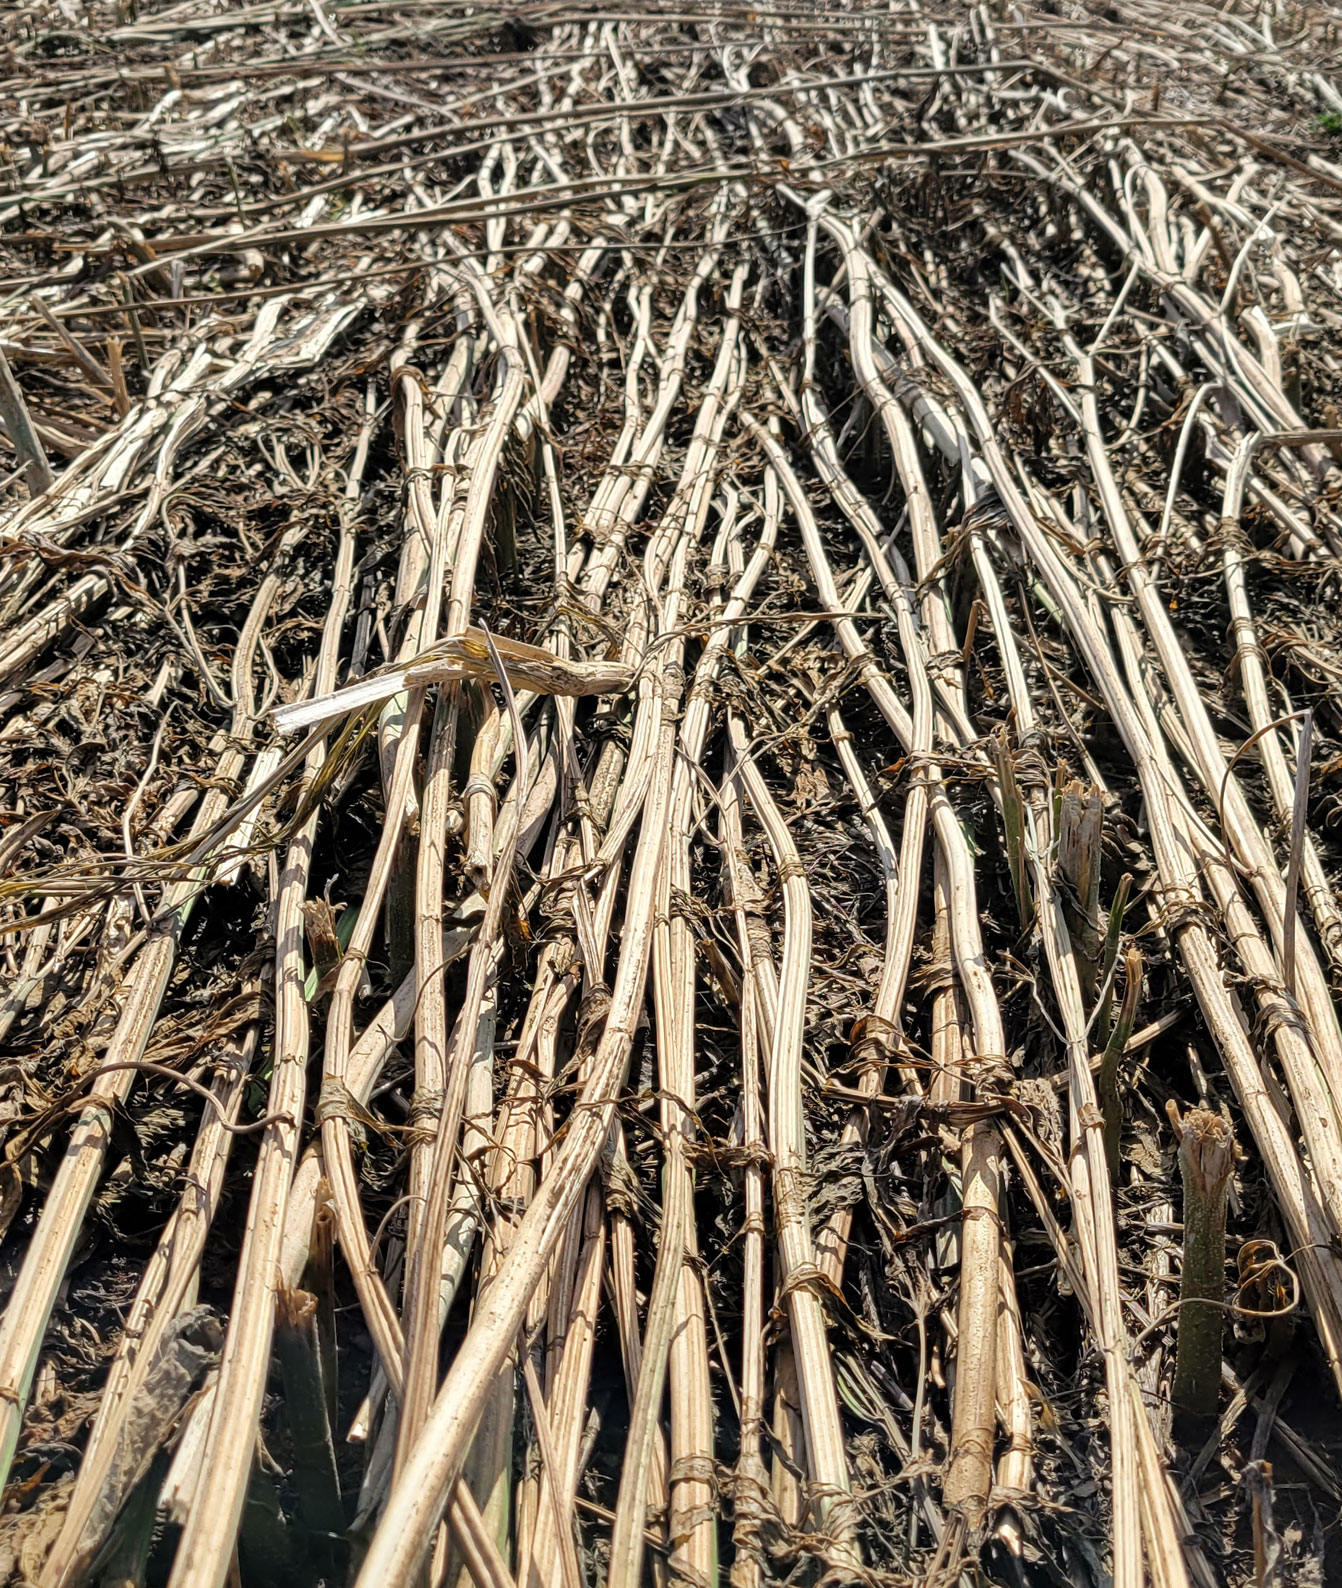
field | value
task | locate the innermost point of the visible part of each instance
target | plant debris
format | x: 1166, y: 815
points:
x: 668, y: 713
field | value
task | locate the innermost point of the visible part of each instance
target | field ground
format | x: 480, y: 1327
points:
x: 670, y: 773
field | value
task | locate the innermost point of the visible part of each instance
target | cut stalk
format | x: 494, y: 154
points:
x: 1206, y: 1158
x: 298, y: 1347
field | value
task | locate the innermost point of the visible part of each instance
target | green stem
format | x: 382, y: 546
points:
x: 1113, y: 933
x: 1110, y: 1101
x: 314, y: 1464
x: 319, y: 1281
x: 1013, y: 819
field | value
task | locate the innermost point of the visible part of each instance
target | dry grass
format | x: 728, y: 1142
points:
x: 668, y: 712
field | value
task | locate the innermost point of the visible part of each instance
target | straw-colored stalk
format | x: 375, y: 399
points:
x: 1264, y: 716
x: 166, y: 1287
x: 420, y: 1492
x: 53, y: 1242
x: 826, y: 1456
x: 1090, y: 1169
x: 676, y: 1317
x: 969, y: 1467
x: 206, y: 1545
x: 978, y: 1341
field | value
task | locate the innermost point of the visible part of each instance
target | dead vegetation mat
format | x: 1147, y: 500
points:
x: 669, y: 751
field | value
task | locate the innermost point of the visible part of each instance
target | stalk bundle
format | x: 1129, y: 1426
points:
x: 668, y: 711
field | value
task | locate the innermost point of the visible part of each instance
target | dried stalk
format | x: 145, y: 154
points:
x: 206, y: 1544
x: 420, y: 1492
x: 826, y: 1457
x: 546, y: 250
